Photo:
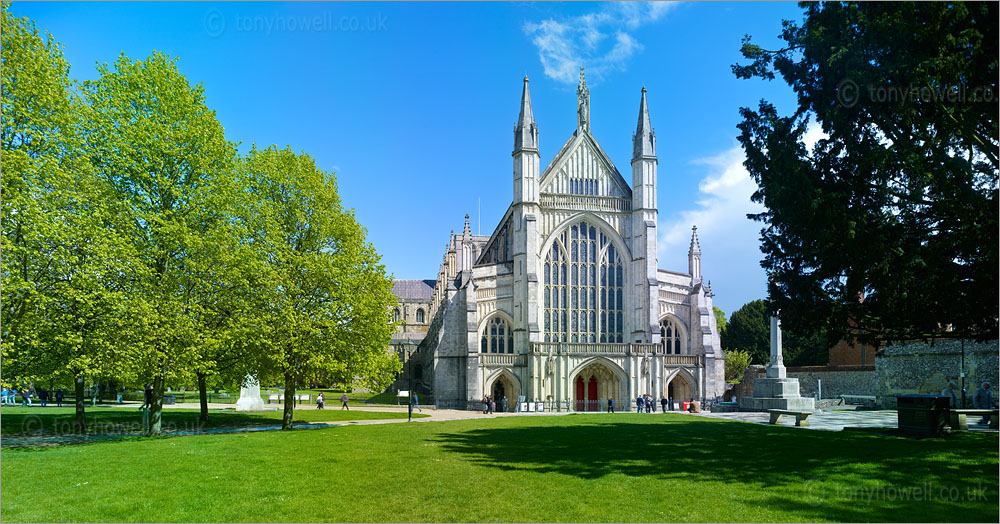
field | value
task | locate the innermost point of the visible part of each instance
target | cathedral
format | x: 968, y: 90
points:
x: 563, y: 304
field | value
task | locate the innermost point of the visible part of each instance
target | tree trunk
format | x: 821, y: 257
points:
x: 203, y: 395
x: 156, y: 409
x: 286, y: 419
x: 80, y: 424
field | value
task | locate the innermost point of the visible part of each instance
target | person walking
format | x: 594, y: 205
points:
x: 486, y: 404
x: 59, y: 397
x: 320, y: 400
x: 983, y: 399
x: 950, y: 393
x: 43, y: 397
x: 26, y: 397
x: 611, y: 404
x: 343, y: 403
x: 503, y: 404
x: 416, y: 402
x: 663, y: 403
x: 649, y: 403
x: 493, y: 405
x: 3, y: 395
x: 638, y: 404
x: 147, y: 397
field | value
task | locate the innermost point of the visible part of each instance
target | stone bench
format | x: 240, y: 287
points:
x: 800, y: 416
x: 959, y: 423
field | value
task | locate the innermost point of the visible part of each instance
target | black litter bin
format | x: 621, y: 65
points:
x: 922, y: 415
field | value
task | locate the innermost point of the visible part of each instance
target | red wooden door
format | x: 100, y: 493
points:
x: 592, y: 395
x: 579, y: 394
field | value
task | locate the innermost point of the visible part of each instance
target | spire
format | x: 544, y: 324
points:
x: 526, y: 132
x: 644, y: 140
x: 694, y: 256
x: 582, y: 103
x: 467, y: 233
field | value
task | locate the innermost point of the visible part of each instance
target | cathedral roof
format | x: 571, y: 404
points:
x: 413, y: 289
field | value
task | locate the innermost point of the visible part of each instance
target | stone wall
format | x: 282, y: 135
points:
x: 919, y: 367
x: 836, y: 380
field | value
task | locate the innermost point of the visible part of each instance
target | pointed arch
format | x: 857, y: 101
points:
x: 674, y: 335
x: 496, y: 333
x: 585, y: 280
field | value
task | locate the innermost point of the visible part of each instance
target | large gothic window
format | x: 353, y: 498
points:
x: 670, y: 334
x: 497, y: 337
x: 584, y: 282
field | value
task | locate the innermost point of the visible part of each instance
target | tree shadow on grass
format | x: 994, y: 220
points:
x: 814, y: 475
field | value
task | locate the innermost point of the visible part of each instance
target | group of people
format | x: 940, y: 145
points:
x: 983, y: 398
x: 490, y: 405
x: 644, y: 403
x: 9, y: 397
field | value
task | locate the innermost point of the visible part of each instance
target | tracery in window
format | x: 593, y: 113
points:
x: 670, y: 334
x: 583, y: 287
x: 497, y: 337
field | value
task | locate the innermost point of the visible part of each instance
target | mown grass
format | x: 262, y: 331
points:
x: 585, y: 468
x: 15, y: 420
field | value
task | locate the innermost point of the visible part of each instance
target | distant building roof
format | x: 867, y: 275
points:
x: 413, y: 289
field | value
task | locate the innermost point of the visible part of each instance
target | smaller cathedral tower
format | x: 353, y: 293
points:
x: 525, y: 153
x: 694, y: 256
x: 644, y: 215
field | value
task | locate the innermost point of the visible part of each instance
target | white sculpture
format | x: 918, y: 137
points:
x: 250, y: 396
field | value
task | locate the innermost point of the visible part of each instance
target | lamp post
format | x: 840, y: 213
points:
x: 409, y: 400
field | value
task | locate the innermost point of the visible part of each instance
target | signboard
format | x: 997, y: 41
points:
x: 531, y: 406
x: 540, y: 407
x: 403, y: 393
x: 523, y: 406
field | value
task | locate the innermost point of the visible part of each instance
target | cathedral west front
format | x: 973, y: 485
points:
x: 563, y: 304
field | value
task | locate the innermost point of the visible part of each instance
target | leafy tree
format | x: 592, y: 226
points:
x: 737, y: 361
x: 324, y: 299
x: 749, y: 329
x: 890, y: 222
x: 63, y: 254
x: 720, y: 318
x: 153, y: 140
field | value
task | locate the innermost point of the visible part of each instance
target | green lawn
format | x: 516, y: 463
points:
x: 624, y: 467
x: 15, y: 420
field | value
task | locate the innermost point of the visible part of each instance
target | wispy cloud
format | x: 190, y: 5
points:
x: 602, y: 41
x: 730, y: 241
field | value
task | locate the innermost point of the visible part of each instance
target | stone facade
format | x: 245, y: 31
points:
x: 564, y: 303
x: 919, y: 367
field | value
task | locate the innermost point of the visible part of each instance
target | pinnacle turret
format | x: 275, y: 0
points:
x: 526, y: 132
x: 644, y: 140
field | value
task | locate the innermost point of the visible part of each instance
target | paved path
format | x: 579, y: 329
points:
x: 821, y: 420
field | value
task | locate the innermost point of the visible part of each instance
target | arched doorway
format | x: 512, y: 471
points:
x: 680, y: 388
x: 504, y: 386
x: 593, y: 385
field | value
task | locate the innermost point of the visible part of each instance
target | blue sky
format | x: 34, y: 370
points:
x: 413, y: 105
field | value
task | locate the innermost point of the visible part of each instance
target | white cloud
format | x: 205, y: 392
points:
x: 730, y: 241
x: 721, y: 209
x: 601, y: 41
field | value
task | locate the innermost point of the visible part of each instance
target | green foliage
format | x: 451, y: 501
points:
x: 321, y: 281
x: 888, y: 228
x: 749, y: 329
x: 737, y: 361
x: 720, y: 318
